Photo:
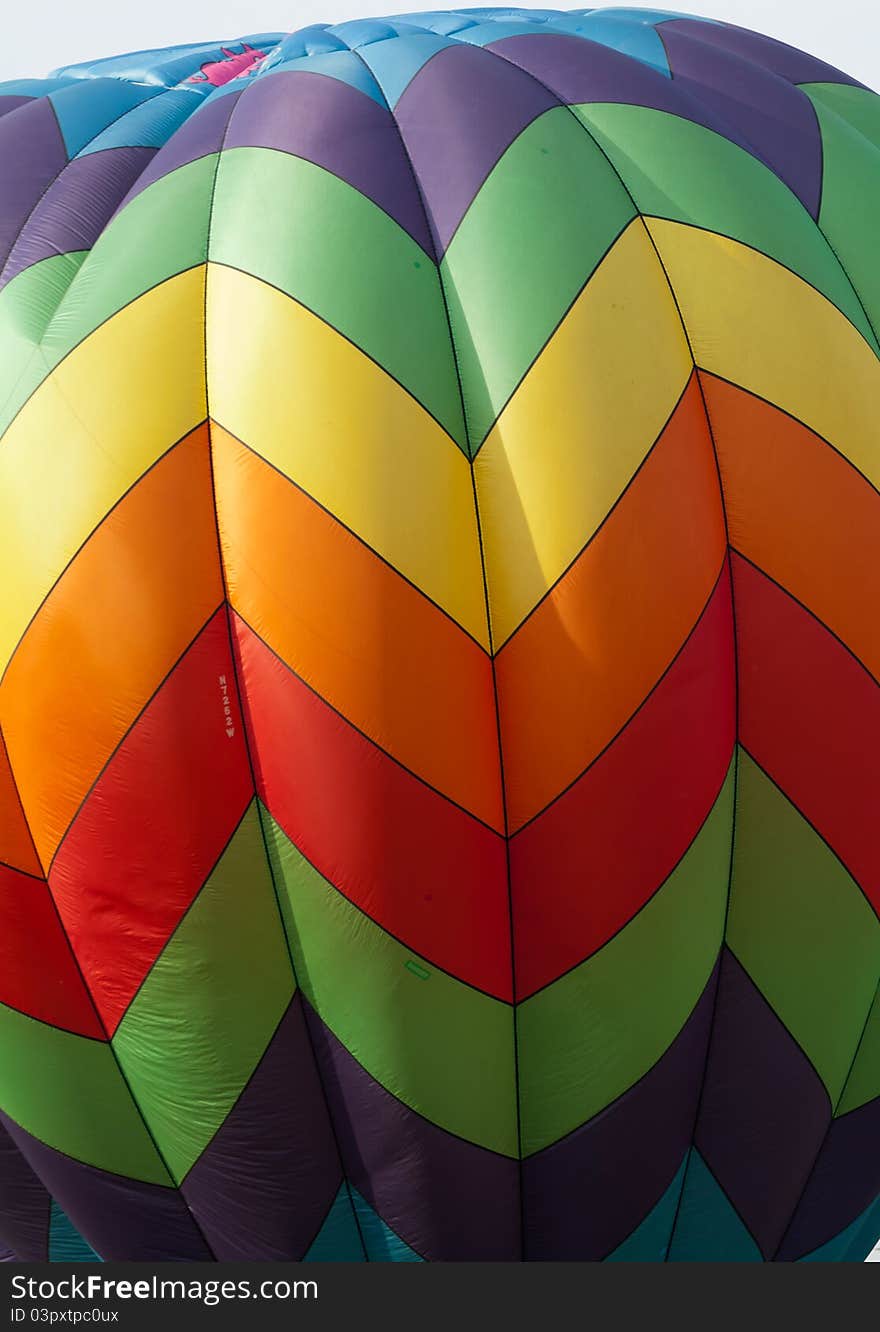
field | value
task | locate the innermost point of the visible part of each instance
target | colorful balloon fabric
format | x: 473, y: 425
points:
x: 440, y: 719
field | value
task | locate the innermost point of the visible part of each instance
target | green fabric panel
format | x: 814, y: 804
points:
x: 27, y: 304
x: 687, y: 173
x: 204, y: 1016
x: 435, y: 1043
x: 536, y: 230
x: 708, y: 1228
x: 863, y: 1083
x: 849, y: 120
x: 801, y: 927
x: 95, y: 1120
x: 590, y: 1035
x: 649, y: 1241
x: 161, y: 232
x: 307, y: 232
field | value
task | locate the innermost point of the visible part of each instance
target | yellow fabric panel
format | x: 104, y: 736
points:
x: 106, y: 413
x: 318, y: 409
x: 757, y: 324
x: 547, y: 476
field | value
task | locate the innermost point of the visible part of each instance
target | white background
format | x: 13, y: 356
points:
x: 39, y: 36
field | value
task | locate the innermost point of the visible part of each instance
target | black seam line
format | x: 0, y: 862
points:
x: 786, y: 268
x: 54, y: 1026
x: 375, y: 1210
x: 457, y: 367
x: 631, y: 718
x: 85, y: 541
x: 806, y: 609
x: 569, y: 1133
x: 350, y: 530
x: 657, y: 27
x: 822, y: 838
x: 654, y: 893
x: 56, y: 913
x: 109, y: 1044
x: 4, y: 750
x: 47, y: 188
x: 325, y: 1215
x: 177, y: 661
x: 423, y: 781
x: 240, y: 693
x: 38, y: 346
x: 250, y: 1077
x: 821, y: 140
x: 722, y: 1189
x: 414, y: 952
x: 186, y: 912
x: 410, y: 1109
x: 777, y: 1017
x: 759, y: 397
x: 26, y: 874
x: 592, y: 537
x: 295, y: 300
x: 581, y: 290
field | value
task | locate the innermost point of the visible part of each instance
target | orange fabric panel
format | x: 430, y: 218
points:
x: 108, y: 633
x: 356, y: 632
x: 802, y: 513
x: 16, y: 847
x: 584, y: 661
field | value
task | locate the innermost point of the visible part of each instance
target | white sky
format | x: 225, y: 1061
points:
x: 41, y: 34
x: 45, y: 33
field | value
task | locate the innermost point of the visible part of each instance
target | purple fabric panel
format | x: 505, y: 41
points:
x: 578, y: 70
x: 588, y: 1192
x: 123, y: 1219
x: 24, y: 1207
x: 747, y: 104
x: 33, y: 153
x: 448, y: 1199
x: 845, y: 1181
x: 764, y: 1111
x: 457, y: 116
x: 77, y: 206
x: 786, y: 61
x: 12, y: 102
x: 764, y: 110
x: 338, y: 128
x: 263, y: 1186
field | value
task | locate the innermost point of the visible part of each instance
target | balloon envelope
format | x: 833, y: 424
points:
x: 440, y: 728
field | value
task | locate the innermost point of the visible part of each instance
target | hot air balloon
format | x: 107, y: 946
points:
x: 440, y: 718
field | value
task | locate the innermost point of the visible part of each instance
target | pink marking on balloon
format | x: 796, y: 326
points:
x: 234, y: 64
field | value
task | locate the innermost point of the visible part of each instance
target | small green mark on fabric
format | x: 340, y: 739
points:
x: 417, y: 970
